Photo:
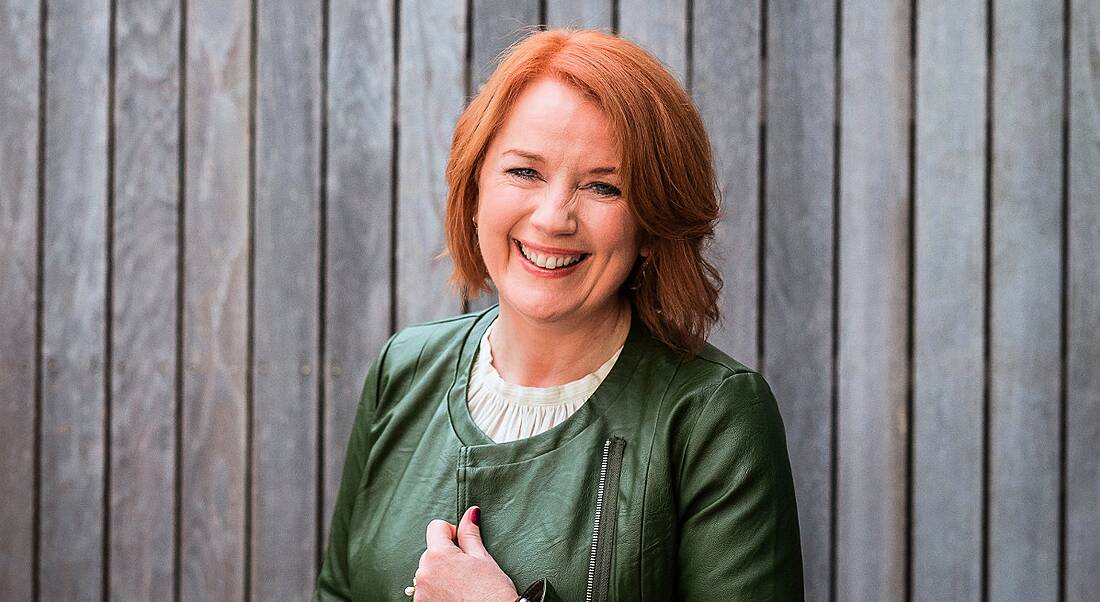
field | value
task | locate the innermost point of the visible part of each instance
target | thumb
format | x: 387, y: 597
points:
x: 469, y: 533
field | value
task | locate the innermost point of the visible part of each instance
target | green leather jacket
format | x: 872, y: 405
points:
x: 671, y: 482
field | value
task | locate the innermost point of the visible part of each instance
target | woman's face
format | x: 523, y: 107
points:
x: 554, y: 230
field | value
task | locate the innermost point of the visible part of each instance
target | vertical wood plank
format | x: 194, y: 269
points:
x: 360, y: 193
x: 287, y: 263
x: 579, y: 13
x: 430, y: 99
x: 949, y: 301
x: 1026, y: 284
x: 497, y: 25
x: 19, y: 144
x: 1082, y: 546
x: 660, y: 26
x: 873, y: 370
x: 74, y: 298
x: 215, y: 322
x: 143, y: 381
x: 798, y: 271
x: 726, y: 87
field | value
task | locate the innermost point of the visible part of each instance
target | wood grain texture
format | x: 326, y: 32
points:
x: 798, y: 271
x: 430, y: 99
x: 287, y: 314
x: 949, y: 301
x: 215, y: 321
x: 19, y: 143
x: 659, y: 26
x: 872, y: 417
x: 1025, y: 296
x: 360, y: 195
x: 579, y: 13
x: 726, y: 88
x: 1082, y: 545
x: 143, y: 299
x: 74, y: 337
x: 497, y: 25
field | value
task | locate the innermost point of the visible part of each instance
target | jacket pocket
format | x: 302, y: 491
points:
x: 603, y: 525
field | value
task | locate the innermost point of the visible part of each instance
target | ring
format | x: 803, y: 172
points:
x: 410, y: 590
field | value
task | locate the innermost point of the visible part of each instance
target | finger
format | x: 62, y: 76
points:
x: 469, y: 533
x: 440, y: 534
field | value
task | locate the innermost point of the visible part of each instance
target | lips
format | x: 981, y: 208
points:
x: 549, y: 259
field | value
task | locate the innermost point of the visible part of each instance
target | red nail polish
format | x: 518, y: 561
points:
x: 475, y: 515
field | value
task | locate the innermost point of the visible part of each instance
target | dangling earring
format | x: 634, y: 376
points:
x: 639, y: 278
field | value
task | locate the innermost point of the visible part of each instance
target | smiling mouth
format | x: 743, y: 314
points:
x: 547, y: 261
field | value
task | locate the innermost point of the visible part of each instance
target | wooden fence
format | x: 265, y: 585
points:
x: 213, y: 212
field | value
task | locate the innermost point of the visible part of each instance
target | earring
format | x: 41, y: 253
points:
x: 640, y: 277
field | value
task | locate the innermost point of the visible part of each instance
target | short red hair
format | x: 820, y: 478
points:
x: 668, y: 173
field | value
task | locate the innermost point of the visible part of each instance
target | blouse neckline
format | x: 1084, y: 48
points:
x: 575, y: 391
x: 480, y: 449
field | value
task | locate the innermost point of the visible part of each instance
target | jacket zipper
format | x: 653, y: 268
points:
x: 603, y: 527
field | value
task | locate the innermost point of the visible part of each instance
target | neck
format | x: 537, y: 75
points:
x: 536, y: 354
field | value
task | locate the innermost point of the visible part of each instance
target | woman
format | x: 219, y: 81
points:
x: 581, y: 437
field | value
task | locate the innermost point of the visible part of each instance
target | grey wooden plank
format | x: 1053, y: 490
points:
x: 660, y: 26
x: 19, y: 143
x: 287, y: 314
x: 497, y: 24
x: 1082, y: 545
x: 872, y: 421
x: 215, y: 322
x: 430, y: 99
x: 73, y: 303
x: 360, y: 192
x: 726, y: 88
x: 592, y: 14
x: 949, y: 301
x: 143, y: 299
x: 1025, y: 296
x: 798, y: 270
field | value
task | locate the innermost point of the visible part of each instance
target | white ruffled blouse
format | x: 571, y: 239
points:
x: 506, y: 412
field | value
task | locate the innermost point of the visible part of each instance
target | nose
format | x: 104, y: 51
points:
x: 555, y: 211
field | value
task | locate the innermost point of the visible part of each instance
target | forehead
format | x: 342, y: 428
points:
x: 549, y: 115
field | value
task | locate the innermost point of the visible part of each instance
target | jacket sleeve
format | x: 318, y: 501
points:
x: 334, y: 580
x: 739, y: 523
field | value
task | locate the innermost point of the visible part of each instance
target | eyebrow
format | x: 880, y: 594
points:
x: 540, y: 159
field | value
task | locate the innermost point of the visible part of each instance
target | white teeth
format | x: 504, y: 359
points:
x: 549, y: 262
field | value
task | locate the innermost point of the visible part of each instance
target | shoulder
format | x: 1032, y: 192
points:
x: 433, y: 346
x: 711, y: 400
x: 709, y: 377
x: 436, y: 334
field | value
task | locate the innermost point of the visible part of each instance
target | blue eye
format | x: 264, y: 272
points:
x: 524, y: 172
x: 604, y: 189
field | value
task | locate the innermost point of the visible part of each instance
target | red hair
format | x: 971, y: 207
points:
x: 668, y: 174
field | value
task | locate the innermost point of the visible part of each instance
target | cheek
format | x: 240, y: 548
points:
x: 616, y: 227
x: 499, y: 204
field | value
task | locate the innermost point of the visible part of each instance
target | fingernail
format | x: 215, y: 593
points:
x: 475, y: 515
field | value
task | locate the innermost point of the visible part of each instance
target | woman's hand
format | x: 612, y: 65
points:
x: 464, y: 571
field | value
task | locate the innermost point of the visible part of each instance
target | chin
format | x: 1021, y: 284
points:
x: 541, y: 310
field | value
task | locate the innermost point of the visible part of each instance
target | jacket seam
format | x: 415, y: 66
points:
x: 734, y: 371
x: 694, y: 423
x: 645, y: 484
x: 368, y: 442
